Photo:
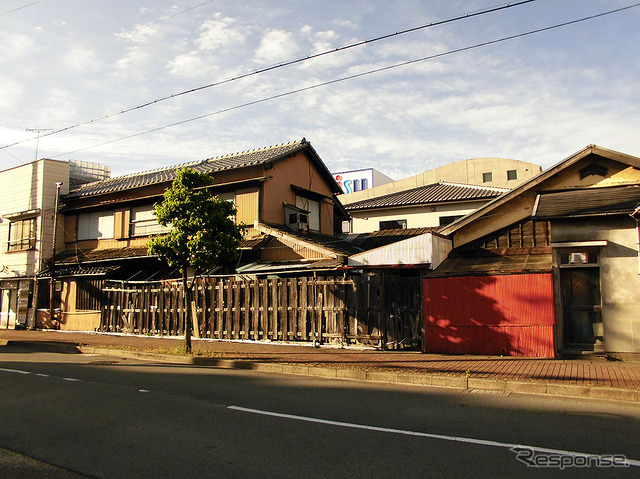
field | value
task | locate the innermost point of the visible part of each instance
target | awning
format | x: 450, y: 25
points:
x: 496, y: 262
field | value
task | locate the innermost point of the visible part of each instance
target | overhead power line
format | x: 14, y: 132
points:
x: 357, y: 75
x: 19, y: 8
x: 279, y: 65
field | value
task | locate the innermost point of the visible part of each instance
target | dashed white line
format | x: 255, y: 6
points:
x: 17, y: 371
x: 467, y: 440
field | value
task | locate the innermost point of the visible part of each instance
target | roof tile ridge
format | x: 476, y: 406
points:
x: 478, y: 187
x: 255, y: 150
x: 140, y: 173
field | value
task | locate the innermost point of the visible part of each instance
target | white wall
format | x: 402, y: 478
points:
x: 417, y: 216
x: 29, y: 187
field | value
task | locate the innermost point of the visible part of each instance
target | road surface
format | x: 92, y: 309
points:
x: 106, y: 418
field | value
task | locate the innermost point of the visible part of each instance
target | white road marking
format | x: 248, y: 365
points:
x: 43, y: 375
x: 72, y: 380
x: 14, y: 371
x: 143, y: 390
x: 467, y: 440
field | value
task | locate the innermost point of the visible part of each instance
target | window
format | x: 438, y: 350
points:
x: 96, y: 225
x: 512, y: 175
x: 578, y: 258
x: 313, y: 207
x: 22, y: 234
x: 144, y: 223
x: 487, y: 177
x: 447, y: 220
x: 393, y: 225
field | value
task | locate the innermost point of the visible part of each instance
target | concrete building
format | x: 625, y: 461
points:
x: 359, y: 180
x: 489, y: 172
x: 26, y: 229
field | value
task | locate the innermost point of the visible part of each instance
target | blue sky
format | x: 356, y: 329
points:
x: 538, y: 98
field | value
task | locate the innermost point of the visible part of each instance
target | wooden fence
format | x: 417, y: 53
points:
x: 375, y: 309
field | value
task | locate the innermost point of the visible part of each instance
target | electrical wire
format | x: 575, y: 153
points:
x: 276, y: 66
x: 357, y: 75
x: 19, y: 8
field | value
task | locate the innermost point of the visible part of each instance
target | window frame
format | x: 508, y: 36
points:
x: 22, y: 243
x: 402, y: 224
x: 149, y: 226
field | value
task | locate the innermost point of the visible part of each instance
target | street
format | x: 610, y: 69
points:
x: 109, y: 418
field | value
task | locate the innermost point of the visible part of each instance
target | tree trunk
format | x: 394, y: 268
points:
x: 186, y: 308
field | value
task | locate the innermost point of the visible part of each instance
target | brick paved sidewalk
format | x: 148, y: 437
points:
x: 586, y: 372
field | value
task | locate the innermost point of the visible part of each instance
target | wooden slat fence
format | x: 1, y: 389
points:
x: 367, y: 309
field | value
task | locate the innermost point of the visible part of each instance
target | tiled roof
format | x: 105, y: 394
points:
x: 589, y: 201
x: 336, y: 244
x: 167, y: 174
x: 434, y: 193
x: 84, y: 256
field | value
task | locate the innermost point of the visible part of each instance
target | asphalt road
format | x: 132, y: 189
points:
x: 105, y: 418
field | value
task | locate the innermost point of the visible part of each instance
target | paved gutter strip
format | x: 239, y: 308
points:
x: 419, y: 378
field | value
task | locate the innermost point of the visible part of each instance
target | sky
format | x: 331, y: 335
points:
x: 73, y: 65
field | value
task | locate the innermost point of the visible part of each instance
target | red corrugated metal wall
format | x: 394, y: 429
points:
x: 502, y: 314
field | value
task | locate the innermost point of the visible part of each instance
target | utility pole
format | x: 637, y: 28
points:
x: 52, y: 286
x: 39, y: 131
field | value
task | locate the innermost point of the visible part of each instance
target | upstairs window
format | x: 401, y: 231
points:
x: 22, y: 235
x: 96, y: 225
x: 487, y: 177
x: 512, y: 175
x: 393, y: 225
x: 143, y: 222
x: 313, y: 207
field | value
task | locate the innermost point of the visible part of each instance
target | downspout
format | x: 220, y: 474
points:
x: 636, y: 216
x: 52, y: 286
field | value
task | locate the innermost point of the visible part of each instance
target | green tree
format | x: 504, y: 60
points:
x: 203, y: 233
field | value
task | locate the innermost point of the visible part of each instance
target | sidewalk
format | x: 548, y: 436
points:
x: 594, y: 377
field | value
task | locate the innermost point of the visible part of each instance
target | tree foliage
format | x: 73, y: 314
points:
x: 203, y: 233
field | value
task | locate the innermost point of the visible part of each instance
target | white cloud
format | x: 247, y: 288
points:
x: 15, y: 45
x: 12, y: 92
x: 82, y: 59
x: 220, y: 32
x: 141, y: 34
x: 276, y: 46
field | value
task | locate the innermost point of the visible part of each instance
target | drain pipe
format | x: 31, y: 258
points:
x: 636, y: 216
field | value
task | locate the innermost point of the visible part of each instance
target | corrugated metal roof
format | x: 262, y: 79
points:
x: 588, y: 201
x: 167, y: 174
x: 434, y: 193
x: 376, y: 239
x: 288, y: 266
x: 495, y: 262
x: 412, y: 251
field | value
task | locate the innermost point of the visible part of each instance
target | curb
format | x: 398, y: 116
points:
x: 416, y: 379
